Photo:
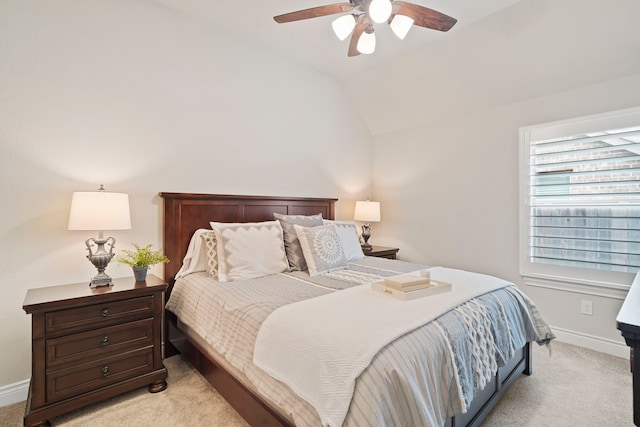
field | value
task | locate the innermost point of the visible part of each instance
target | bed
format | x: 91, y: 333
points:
x: 262, y: 400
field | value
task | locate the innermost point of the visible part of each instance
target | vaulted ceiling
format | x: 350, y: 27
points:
x: 312, y: 41
x: 500, y: 52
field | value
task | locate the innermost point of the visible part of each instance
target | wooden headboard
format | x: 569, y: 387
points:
x: 184, y: 213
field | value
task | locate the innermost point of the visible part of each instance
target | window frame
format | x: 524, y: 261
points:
x: 583, y: 280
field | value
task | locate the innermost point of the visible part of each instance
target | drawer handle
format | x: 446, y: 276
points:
x: 105, y: 340
x: 105, y: 371
x: 105, y: 312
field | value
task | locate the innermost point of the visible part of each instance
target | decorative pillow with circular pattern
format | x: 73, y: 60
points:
x: 322, y: 248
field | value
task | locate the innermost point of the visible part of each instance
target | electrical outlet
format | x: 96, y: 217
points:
x: 586, y: 307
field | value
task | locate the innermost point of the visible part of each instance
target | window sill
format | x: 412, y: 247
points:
x: 607, y: 290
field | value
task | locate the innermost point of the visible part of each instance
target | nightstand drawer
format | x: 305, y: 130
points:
x: 97, y: 315
x: 73, y: 381
x: 96, y: 344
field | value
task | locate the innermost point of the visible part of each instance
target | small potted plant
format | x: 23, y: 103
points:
x: 141, y: 259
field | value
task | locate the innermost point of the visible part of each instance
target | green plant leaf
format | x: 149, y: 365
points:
x: 142, y: 257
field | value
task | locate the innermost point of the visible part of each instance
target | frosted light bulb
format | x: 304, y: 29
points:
x: 367, y: 43
x: 343, y: 26
x: 380, y: 10
x: 400, y: 25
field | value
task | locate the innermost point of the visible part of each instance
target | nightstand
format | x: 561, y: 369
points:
x: 382, y: 252
x: 93, y: 344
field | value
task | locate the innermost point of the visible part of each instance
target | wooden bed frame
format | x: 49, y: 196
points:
x: 184, y: 213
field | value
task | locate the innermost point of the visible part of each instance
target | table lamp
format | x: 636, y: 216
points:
x: 367, y: 211
x: 100, y: 211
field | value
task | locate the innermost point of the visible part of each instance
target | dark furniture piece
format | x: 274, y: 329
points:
x: 92, y: 344
x: 628, y: 322
x: 382, y: 252
x: 184, y: 213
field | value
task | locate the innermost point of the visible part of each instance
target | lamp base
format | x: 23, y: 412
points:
x: 100, y: 280
x: 366, y: 233
x: 100, y: 259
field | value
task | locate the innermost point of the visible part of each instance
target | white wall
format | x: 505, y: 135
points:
x: 143, y: 100
x: 449, y: 192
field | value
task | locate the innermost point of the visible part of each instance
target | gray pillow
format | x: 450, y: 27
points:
x: 291, y: 242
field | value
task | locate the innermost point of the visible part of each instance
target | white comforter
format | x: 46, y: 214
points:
x: 319, y: 347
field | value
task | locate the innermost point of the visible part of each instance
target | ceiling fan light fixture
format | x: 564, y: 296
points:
x: 343, y: 26
x: 357, y: 18
x: 380, y: 10
x: 367, y: 42
x: 400, y: 25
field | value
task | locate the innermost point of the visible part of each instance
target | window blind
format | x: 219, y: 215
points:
x: 585, y: 200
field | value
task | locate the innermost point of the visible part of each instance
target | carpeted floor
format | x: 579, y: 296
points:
x: 573, y: 387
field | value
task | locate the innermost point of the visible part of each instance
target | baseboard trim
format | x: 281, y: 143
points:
x: 17, y: 392
x: 592, y: 342
x: 14, y: 393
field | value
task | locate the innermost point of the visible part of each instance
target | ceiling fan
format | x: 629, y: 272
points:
x: 360, y: 15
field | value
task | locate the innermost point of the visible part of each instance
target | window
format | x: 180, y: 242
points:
x: 580, y: 212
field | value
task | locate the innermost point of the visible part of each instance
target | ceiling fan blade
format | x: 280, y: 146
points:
x: 361, y: 25
x: 314, y: 12
x: 423, y: 16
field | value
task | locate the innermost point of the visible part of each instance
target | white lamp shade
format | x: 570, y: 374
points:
x: 99, y: 210
x: 400, y: 25
x: 380, y: 10
x: 367, y: 43
x: 367, y: 211
x: 343, y: 26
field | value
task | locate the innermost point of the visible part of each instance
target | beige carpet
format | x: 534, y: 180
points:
x: 573, y: 387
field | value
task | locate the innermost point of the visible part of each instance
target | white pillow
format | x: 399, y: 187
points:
x: 249, y: 250
x: 321, y: 248
x: 195, y: 259
x: 348, y: 234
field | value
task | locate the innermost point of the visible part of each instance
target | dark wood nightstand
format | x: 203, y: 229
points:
x: 382, y: 252
x: 93, y: 344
